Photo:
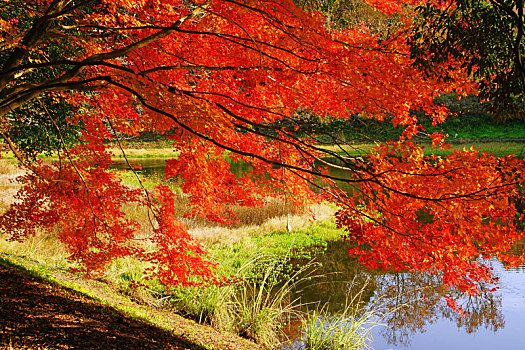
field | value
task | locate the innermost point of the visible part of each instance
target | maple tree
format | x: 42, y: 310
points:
x: 220, y: 78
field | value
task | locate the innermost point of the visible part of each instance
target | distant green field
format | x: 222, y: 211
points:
x: 497, y: 148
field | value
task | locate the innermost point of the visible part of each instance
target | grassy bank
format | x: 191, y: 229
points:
x: 99, y: 295
x: 255, y: 250
x: 497, y: 148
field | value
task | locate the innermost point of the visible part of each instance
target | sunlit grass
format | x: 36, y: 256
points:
x: 43, y: 248
x: 144, y: 152
x: 132, y: 151
x: 497, y: 148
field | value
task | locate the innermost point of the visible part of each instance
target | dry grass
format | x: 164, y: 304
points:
x: 9, y: 171
x: 252, y: 221
x: 272, y: 218
x: 140, y: 152
x: 41, y: 247
x: 44, y: 248
x: 133, y: 151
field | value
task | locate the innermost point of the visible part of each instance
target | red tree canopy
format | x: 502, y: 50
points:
x: 222, y: 78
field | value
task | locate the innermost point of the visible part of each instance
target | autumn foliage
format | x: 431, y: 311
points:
x: 220, y: 78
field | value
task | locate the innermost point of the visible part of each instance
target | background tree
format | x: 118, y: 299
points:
x: 341, y: 14
x: 486, y: 36
x: 219, y: 77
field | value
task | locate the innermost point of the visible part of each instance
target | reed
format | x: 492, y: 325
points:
x: 349, y: 329
x: 263, y: 305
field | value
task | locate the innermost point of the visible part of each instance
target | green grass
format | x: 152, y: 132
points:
x: 303, y: 242
x: 497, y: 148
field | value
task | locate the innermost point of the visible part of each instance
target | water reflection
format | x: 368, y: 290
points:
x: 415, y: 300
x: 153, y: 168
x: 149, y: 167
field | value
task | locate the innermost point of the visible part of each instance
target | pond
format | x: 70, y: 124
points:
x: 419, y: 317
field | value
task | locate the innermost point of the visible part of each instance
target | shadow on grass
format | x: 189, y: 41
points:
x: 38, y: 315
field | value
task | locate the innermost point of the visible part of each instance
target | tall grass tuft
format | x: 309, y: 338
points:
x: 206, y: 304
x: 264, y: 304
x: 350, y: 329
x: 256, y: 307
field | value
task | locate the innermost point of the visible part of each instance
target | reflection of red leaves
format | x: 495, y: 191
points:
x: 454, y: 306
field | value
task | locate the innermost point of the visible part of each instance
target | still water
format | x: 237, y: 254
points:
x: 418, y: 317
x: 421, y: 319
